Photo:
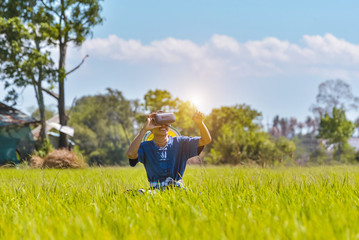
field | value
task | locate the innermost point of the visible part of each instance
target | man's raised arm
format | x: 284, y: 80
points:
x: 135, y: 145
x: 205, y: 135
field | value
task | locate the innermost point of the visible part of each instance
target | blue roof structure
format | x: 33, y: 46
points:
x: 12, y: 116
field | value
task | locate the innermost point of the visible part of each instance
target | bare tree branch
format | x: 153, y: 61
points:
x: 83, y: 60
x: 49, y: 8
x: 51, y: 93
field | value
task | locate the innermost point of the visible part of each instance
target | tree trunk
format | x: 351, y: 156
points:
x: 339, y: 151
x: 40, y: 96
x: 42, y: 113
x: 38, y: 88
x: 41, y: 105
x: 63, y: 142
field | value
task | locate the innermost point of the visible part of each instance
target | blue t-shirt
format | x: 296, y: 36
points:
x: 169, y: 161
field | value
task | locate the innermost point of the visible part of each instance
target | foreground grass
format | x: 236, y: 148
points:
x: 222, y: 203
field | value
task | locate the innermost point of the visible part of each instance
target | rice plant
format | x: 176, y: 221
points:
x: 219, y: 203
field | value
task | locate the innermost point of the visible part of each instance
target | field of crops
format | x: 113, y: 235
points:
x: 220, y: 203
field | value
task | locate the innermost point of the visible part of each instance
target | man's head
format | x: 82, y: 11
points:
x: 162, y: 130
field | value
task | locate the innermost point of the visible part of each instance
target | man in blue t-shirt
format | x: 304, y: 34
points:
x: 165, y: 157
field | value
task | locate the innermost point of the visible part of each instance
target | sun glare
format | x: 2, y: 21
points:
x: 196, y: 101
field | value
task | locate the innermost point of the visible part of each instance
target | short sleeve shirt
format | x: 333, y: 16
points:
x: 169, y: 161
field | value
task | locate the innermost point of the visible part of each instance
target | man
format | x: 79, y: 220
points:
x: 165, y: 157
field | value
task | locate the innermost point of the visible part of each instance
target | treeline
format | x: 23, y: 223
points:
x: 105, y: 124
x: 323, y: 137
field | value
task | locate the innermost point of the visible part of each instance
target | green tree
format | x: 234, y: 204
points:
x: 163, y: 100
x: 72, y: 22
x: 156, y: 100
x: 307, y: 149
x: 336, y: 129
x: 25, y: 33
x: 347, y: 153
x: 286, y: 148
x: 334, y: 94
x: 184, y: 122
x: 48, y: 114
x: 241, y: 115
x: 47, y: 23
x: 320, y: 154
x: 104, y: 127
x: 238, y: 138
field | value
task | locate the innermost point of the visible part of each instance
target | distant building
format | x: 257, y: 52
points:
x: 353, y: 142
x: 16, y: 139
x: 54, y: 137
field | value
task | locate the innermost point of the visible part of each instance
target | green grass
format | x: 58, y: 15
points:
x: 221, y: 203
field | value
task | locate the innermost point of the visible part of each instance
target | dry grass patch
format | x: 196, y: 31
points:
x: 60, y: 158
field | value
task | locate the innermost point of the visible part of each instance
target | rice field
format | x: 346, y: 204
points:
x: 219, y: 203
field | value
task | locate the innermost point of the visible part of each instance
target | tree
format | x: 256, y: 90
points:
x: 56, y: 22
x: 347, y: 153
x: 48, y: 113
x: 103, y: 127
x: 160, y: 100
x: 184, y: 122
x: 320, y: 154
x: 300, y: 126
x: 24, y: 35
x: 238, y: 138
x: 275, y: 130
x: 241, y: 115
x: 286, y: 148
x: 334, y: 94
x: 72, y: 22
x: 283, y: 127
x: 336, y: 129
x: 357, y: 126
x: 310, y: 123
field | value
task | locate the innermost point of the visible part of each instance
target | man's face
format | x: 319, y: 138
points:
x: 161, y: 131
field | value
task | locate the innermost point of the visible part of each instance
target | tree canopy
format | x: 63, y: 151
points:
x: 238, y: 138
x: 24, y: 51
x: 104, y: 127
x: 336, y: 129
x: 28, y: 27
x: 334, y: 94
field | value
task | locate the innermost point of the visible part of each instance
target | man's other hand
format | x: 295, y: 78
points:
x: 197, y: 117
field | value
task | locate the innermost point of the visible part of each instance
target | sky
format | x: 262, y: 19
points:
x: 270, y: 55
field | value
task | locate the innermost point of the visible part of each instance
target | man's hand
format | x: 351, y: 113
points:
x: 205, y: 135
x: 132, y: 152
x: 197, y: 117
x: 149, y: 124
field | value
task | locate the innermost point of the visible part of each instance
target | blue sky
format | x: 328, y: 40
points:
x: 243, y: 20
x: 271, y: 55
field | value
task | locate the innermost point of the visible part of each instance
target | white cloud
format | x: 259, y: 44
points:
x: 169, y: 50
x: 331, y: 50
x: 222, y: 70
x: 225, y: 43
x: 223, y: 56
